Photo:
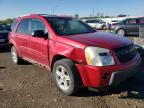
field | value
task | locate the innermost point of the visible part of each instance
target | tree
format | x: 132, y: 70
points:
x: 122, y: 15
x: 7, y: 21
x: 76, y: 16
x: 101, y: 15
x: 98, y: 15
x: 107, y: 17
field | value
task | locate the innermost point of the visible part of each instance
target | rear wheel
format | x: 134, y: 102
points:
x: 120, y: 32
x: 66, y: 77
x: 15, y: 58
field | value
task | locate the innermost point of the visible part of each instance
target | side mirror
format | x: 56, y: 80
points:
x: 39, y: 33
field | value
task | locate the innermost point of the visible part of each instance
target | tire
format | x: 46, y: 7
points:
x: 104, y: 27
x: 121, y: 32
x: 15, y: 58
x: 66, y: 77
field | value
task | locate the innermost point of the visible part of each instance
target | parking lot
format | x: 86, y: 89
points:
x: 30, y: 86
x: 71, y: 54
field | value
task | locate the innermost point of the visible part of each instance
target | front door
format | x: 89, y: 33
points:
x: 38, y: 46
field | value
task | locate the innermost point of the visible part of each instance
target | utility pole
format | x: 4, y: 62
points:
x: 53, y: 11
x: 93, y: 12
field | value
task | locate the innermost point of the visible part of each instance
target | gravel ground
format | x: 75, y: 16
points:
x: 30, y: 86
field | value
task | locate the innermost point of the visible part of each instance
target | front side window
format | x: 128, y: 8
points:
x: 37, y: 24
x: 24, y: 27
x: 69, y: 26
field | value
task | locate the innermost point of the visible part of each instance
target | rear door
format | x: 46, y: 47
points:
x: 38, y: 46
x: 22, y: 36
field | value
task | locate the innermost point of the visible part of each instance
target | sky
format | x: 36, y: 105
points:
x: 16, y: 8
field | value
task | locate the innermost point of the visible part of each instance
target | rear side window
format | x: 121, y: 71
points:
x: 24, y: 27
x: 131, y: 21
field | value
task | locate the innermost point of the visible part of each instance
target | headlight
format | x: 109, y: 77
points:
x: 97, y: 56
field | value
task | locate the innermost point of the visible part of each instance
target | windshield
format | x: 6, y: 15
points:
x: 69, y: 26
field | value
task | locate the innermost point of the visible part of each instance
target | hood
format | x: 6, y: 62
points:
x: 101, y: 39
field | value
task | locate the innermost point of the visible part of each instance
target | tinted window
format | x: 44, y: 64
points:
x: 24, y: 27
x: 141, y: 21
x: 68, y: 26
x: 131, y: 21
x: 13, y: 25
x: 37, y: 24
x: 92, y: 21
x: 8, y: 27
x: 114, y: 21
x: 1, y: 28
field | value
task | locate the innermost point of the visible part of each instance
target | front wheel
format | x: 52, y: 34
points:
x: 66, y: 77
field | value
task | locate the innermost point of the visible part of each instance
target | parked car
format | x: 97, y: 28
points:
x: 96, y: 23
x: 76, y: 54
x: 3, y: 37
x: 114, y: 21
x: 129, y: 26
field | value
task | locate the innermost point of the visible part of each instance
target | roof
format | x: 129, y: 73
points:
x: 46, y: 15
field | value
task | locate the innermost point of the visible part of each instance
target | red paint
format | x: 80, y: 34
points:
x: 93, y: 76
x: 44, y: 51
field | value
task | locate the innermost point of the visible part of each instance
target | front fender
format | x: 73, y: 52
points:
x: 74, y: 53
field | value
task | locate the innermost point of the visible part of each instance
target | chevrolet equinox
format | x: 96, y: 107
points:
x: 76, y: 54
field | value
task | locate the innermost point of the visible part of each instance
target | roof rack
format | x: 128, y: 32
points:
x: 47, y: 15
x: 24, y: 15
x: 38, y: 14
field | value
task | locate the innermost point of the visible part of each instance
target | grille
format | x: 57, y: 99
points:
x: 3, y: 35
x: 126, y: 54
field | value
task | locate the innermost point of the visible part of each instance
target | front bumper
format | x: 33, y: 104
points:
x: 120, y: 76
x: 99, y: 77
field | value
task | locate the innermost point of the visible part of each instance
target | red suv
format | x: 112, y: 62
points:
x: 76, y: 54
